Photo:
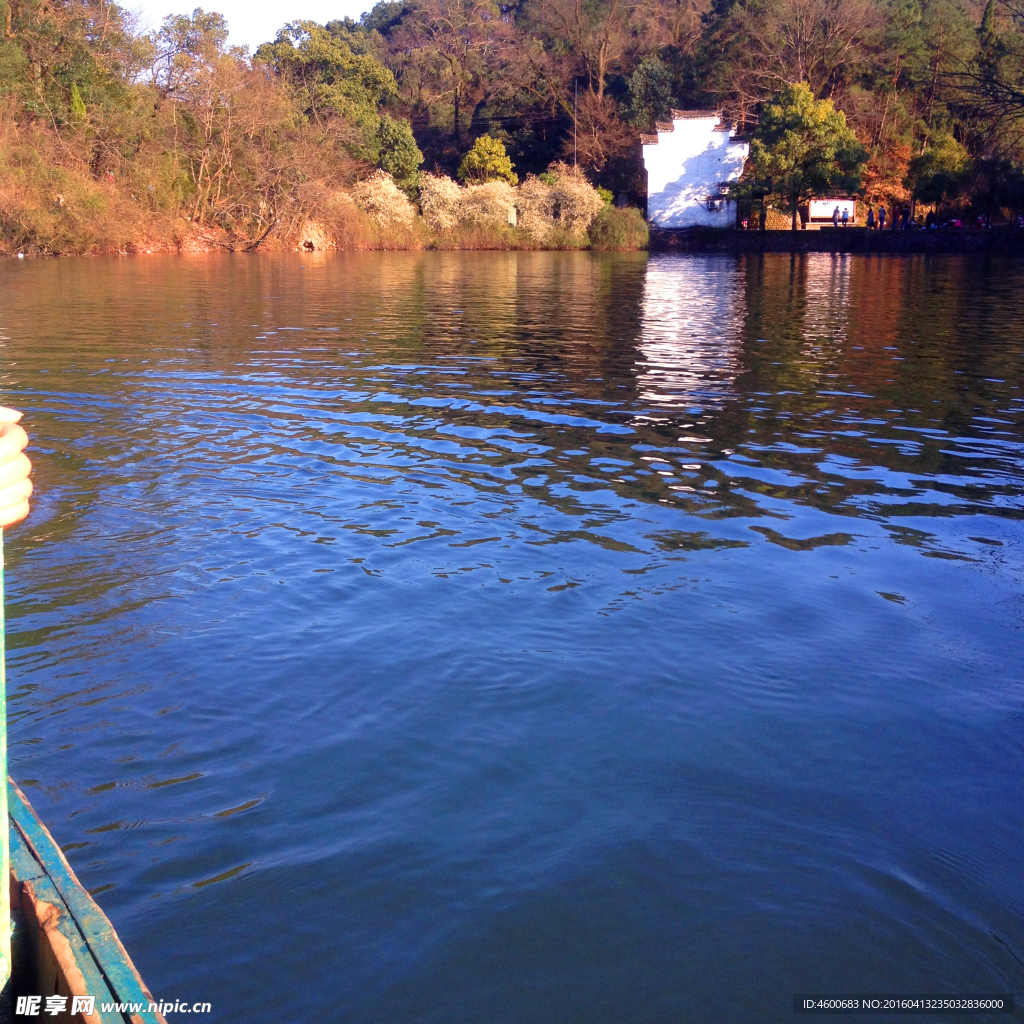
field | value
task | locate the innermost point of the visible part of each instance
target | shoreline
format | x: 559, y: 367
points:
x: 211, y: 242
x: 952, y: 241
x: 193, y: 250
x: 1006, y: 240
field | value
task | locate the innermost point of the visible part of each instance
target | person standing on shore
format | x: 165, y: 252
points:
x: 881, y: 217
x: 846, y: 216
x: 871, y: 218
x: 835, y: 217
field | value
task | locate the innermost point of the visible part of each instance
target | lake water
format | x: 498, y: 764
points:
x: 539, y: 638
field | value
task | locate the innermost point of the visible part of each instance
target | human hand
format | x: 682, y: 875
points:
x: 15, y: 485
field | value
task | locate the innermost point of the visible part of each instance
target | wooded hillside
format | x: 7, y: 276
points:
x: 111, y: 137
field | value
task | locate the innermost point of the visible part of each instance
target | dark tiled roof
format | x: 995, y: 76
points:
x: 664, y: 126
x: 682, y: 115
x: 649, y: 140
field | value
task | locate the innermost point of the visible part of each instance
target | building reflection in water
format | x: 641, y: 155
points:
x: 692, y: 319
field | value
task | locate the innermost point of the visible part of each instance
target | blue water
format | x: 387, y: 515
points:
x: 527, y: 638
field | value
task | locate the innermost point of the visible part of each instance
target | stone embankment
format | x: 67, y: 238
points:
x: 943, y: 240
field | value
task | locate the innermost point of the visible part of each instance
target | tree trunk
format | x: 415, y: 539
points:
x: 931, y: 105
x: 257, y: 242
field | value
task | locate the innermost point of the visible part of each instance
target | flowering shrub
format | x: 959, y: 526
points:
x: 555, y: 208
x: 440, y: 202
x: 383, y: 200
x: 577, y: 201
x: 535, y: 206
x: 446, y: 206
x: 490, y: 203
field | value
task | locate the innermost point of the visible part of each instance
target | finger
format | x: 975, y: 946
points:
x: 9, y: 415
x: 15, y: 514
x: 13, y: 439
x: 15, y: 494
x: 18, y: 468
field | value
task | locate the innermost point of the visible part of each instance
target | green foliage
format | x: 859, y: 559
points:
x: 398, y: 153
x: 15, y: 72
x: 619, y: 229
x: 186, y: 38
x: 78, y: 111
x: 331, y: 79
x: 650, y: 94
x: 937, y: 175
x: 356, y: 36
x: 802, y: 147
x: 988, y: 22
x: 487, y: 161
x: 995, y: 183
x: 386, y: 15
x: 606, y: 194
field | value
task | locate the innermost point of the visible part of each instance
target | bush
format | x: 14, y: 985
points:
x: 384, y: 201
x: 576, y: 200
x: 557, y: 207
x: 490, y: 203
x: 440, y: 202
x: 535, y: 206
x: 446, y: 206
x: 487, y: 161
x: 399, y: 154
x: 619, y: 229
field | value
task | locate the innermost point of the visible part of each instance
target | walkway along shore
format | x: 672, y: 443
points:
x: 948, y: 240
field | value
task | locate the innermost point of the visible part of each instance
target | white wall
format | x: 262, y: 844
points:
x: 685, y: 167
x: 822, y: 209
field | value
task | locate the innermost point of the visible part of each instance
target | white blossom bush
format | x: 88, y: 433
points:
x: 489, y: 203
x: 576, y: 200
x: 383, y: 200
x: 440, y: 202
x: 535, y: 206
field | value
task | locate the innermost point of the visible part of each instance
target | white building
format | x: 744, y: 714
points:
x: 690, y: 163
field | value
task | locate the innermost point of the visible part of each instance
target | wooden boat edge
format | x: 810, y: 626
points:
x: 64, y: 943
